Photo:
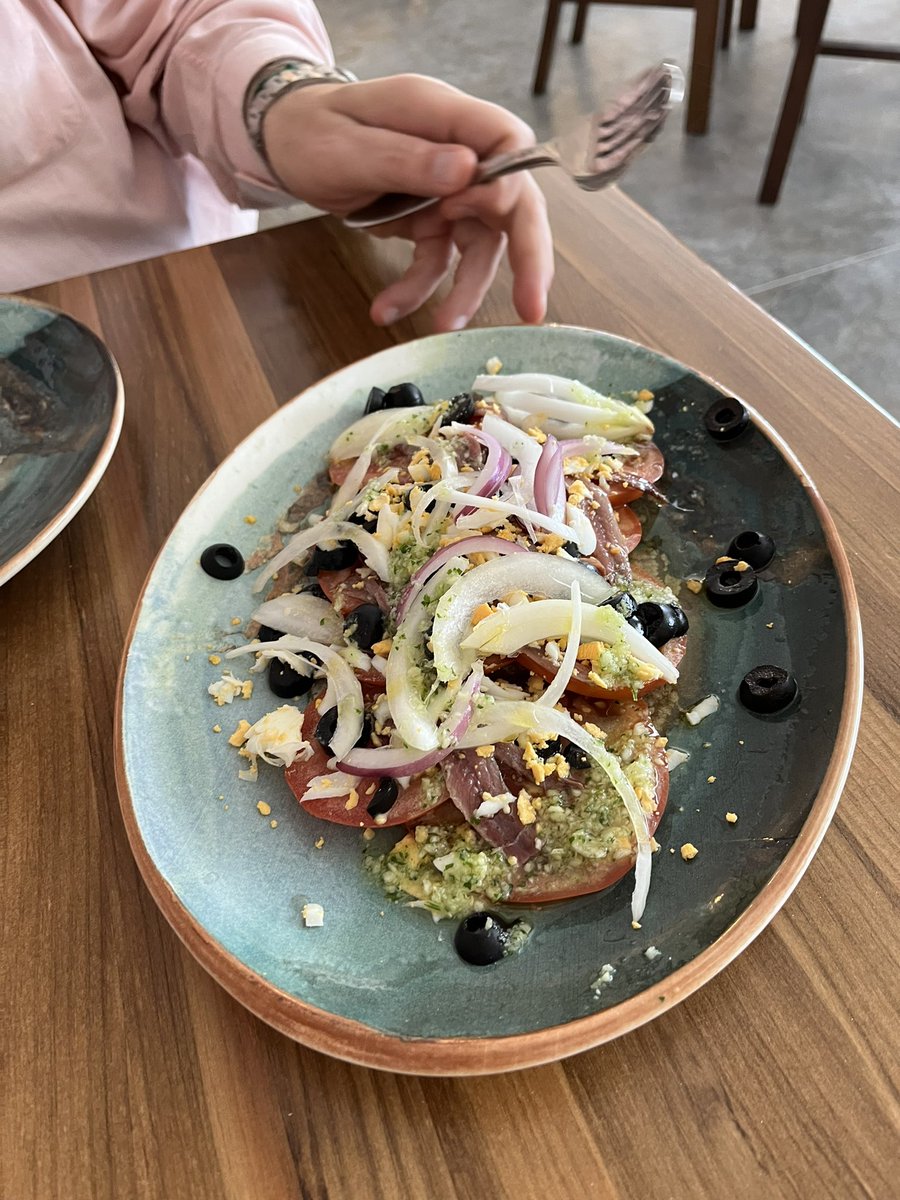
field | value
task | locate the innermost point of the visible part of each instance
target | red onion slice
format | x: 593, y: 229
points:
x: 477, y: 544
x: 398, y: 760
x: 549, y: 485
x: 497, y: 465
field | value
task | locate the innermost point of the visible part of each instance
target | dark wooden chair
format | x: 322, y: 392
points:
x: 712, y: 19
x: 810, y: 44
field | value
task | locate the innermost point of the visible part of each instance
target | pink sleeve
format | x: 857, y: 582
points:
x: 183, y: 66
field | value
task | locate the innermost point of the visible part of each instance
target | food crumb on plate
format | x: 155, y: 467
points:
x: 215, y: 659
x: 240, y: 734
x: 319, y: 843
x: 249, y: 519
x: 217, y: 728
x: 606, y: 976
x: 635, y: 924
x: 731, y: 818
x: 273, y: 824
x: 703, y: 709
x: 710, y: 779
x: 694, y: 585
x: 689, y: 851
x: 652, y: 953
x: 264, y: 808
x: 313, y: 916
x: 235, y: 621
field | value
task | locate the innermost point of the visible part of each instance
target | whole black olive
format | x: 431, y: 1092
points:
x: 726, y: 419
x: 728, y: 587
x: 571, y: 548
x: 366, y: 520
x: 375, y: 401
x: 328, y: 724
x: 481, y: 939
x: 365, y: 626
x: 403, y: 395
x: 285, y: 682
x: 624, y: 603
x: 461, y: 409
x: 661, y: 622
x: 767, y: 689
x: 268, y: 634
x: 343, y: 555
x: 222, y: 561
x: 385, y: 797
x: 754, y: 548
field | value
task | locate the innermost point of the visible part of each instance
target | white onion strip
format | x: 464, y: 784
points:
x: 514, y: 510
x: 554, y: 692
x: 477, y: 544
x: 372, y: 550
x: 302, y: 615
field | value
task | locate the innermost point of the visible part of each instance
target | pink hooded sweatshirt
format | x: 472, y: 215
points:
x: 122, y: 126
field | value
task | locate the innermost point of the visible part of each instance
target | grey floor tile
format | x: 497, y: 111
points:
x: 842, y: 195
x: 851, y: 316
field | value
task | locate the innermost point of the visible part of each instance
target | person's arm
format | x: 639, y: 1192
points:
x: 183, y: 67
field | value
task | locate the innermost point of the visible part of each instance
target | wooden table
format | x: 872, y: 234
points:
x: 128, y: 1073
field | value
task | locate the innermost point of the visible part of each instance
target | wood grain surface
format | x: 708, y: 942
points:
x: 127, y: 1072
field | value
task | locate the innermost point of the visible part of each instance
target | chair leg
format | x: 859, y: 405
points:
x: 548, y: 42
x: 747, y: 19
x: 580, y: 21
x: 703, y: 65
x: 794, y: 100
x: 727, y: 22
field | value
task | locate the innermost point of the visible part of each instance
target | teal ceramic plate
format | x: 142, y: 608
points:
x: 61, y: 406
x: 380, y: 983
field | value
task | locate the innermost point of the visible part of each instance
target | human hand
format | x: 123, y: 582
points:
x: 340, y: 146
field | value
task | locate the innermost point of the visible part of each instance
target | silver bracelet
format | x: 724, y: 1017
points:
x: 276, y: 78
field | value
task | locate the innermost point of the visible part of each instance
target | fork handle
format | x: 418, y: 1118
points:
x: 394, y: 205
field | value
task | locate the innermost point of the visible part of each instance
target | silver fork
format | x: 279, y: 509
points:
x: 594, y: 154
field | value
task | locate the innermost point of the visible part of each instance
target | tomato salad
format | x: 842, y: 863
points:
x: 484, y: 641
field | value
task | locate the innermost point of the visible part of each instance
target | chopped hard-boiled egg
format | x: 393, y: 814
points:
x: 276, y: 737
x: 313, y: 916
x: 224, y: 690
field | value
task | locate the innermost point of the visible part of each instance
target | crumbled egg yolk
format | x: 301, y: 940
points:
x: 224, y: 690
x: 689, y: 851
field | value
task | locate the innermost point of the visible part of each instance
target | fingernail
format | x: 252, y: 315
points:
x: 458, y: 323
x: 446, y: 168
x: 390, y: 315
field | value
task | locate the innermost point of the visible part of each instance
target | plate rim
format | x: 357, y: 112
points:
x: 353, y: 1041
x: 65, y: 515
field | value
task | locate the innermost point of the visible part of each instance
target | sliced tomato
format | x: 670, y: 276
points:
x: 410, y: 805
x: 629, y: 526
x: 539, y: 664
x: 585, y: 878
x: 648, y: 466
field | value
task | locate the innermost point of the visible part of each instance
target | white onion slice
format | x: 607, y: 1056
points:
x: 524, y: 449
x: 327, y: 531
x: 508, y: 630
x: 493, y: 505
x: 539, y: 719
x: 397, y: 760
x: 549, y: 486
x: 586, y: 534
x: 594, y: 447
x: 560, y: 682
x: 624, y: 420
x: 538, y: 574
x: 302, y: 615
x: 409, y: 710
x: 370, y: 428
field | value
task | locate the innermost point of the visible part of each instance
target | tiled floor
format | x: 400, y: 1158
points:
x: 825, y: 261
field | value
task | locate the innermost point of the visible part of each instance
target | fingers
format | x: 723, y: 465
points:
x: 481, y: 250
x: 427, y: 108
x: 515, y: 206
x: 431, y: 261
